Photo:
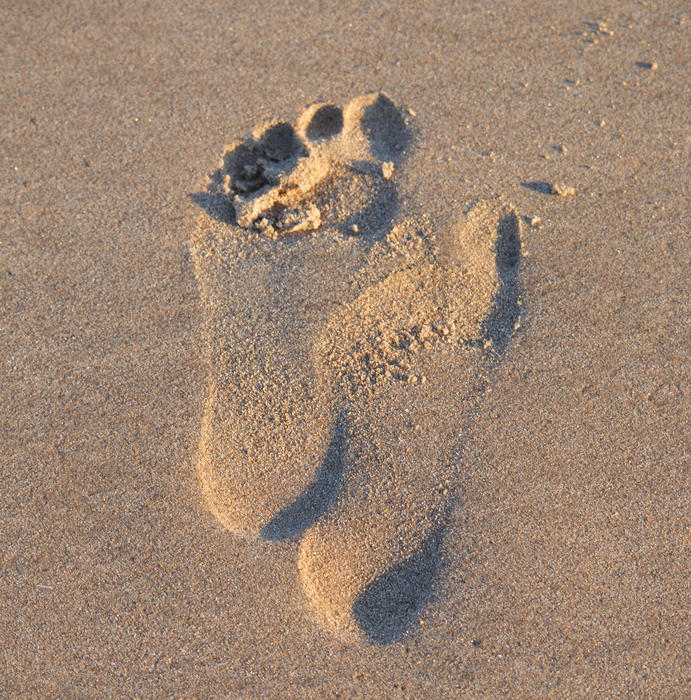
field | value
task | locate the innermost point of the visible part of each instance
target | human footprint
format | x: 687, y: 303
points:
x: 289, y: 218
x: 347, y: 344
x: 411, y: 355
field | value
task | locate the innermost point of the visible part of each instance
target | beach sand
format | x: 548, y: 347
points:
x: 417, y: 425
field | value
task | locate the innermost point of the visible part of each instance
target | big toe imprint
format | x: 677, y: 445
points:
x: 289, y: 218
x: 411, y: 354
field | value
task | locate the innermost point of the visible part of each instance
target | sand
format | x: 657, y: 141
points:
x: 453, y: 354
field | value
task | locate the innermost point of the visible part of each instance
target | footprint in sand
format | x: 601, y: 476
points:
x: 347, y: 343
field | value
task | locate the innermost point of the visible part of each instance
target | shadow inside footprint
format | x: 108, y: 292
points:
x: 327, y: 121
x: 389, y: 605
x: 293, y: 520
x: 386, y: 130
x: 500, y: 325
x: 539, y: 186
x: 216, y: 205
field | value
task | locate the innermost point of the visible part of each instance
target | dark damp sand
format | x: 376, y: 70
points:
x: 566, y: 561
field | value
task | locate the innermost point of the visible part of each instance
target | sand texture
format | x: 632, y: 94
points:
x: 386, y: 397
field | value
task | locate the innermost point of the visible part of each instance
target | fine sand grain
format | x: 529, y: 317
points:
x: 340, y: 421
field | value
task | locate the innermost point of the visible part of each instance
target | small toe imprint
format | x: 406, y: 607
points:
x: 322, y: 121
x: 378, y: 118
